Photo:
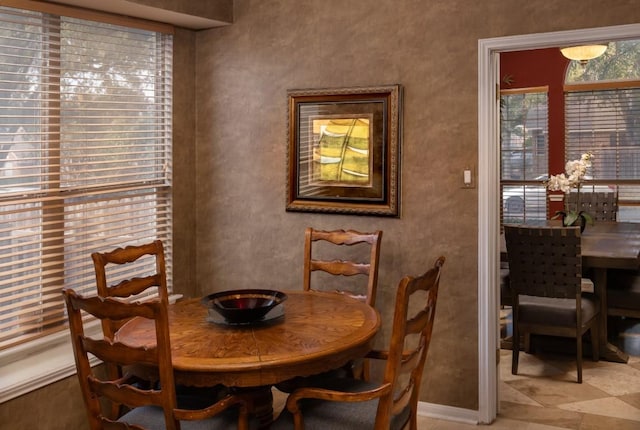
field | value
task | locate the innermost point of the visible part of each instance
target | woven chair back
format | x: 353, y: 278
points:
x: 544, y: 261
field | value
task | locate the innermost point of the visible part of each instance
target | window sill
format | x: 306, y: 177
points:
x: 36, y: 364
x: 31, y: 366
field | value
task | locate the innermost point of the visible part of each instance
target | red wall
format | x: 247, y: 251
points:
x: 536, y: 68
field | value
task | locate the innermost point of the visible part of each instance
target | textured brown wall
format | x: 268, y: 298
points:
x: 230, y: 189
x: 244, y: 236
x: 184, y: 178
x: 57, y: 406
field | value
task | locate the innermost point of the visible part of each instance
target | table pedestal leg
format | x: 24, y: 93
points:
x: 260, y: 404
x: 608, y: 351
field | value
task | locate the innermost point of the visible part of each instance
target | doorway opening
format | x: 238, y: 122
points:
x: 489, y: 185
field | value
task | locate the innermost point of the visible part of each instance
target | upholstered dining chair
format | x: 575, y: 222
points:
x: 602, y: 206
x: 150, y: 408
x: 349, y: 403
x: 138, y: 272
x: 335, y: 261
x: 545, y: 271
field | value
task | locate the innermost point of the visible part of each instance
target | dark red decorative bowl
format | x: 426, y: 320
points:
x: 244, y: 306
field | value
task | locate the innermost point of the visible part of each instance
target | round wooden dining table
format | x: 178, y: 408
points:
x: 317, y: 332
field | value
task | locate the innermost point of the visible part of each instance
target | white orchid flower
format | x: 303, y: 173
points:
x: 575, y: 174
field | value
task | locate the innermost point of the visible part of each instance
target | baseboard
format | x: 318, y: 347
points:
x: 448, y: 413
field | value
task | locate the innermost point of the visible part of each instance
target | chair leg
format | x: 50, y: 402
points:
x: 527, y: 343
x: 579, y: 356
x: 515, y: 349
x: 595, y: 347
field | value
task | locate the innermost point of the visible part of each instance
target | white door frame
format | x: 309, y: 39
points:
x: 489, y: 189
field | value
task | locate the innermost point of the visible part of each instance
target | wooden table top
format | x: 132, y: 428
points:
x: 319, y: 331
x: 611, y: 245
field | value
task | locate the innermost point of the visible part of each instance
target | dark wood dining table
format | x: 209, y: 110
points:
x: 604, y: 246
x: 317, y: 332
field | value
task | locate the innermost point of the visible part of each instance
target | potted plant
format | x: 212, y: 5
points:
x: 575, y: 174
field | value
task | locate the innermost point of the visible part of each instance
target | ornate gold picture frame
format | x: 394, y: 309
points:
x: 343, y: 152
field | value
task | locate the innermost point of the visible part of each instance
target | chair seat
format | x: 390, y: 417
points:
x: 328, y: 415
x: 152, y: 418
x: 554, y: 311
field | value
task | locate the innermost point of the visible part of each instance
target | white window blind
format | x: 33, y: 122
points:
x: 85, y: 157
x: 606, y: 122
x: 604, y: 118
x: 524, y: 148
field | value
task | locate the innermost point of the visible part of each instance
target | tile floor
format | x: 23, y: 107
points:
x: 545, y: 396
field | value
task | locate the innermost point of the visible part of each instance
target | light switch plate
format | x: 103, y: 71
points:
x: 467, y: 178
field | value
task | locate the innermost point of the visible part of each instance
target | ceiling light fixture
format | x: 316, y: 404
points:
x: 583, y: 53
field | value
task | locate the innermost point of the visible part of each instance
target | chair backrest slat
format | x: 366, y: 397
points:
x: 125, y: 393
x: 343, y: 266
x: 116, y: 352
x: 339, y: 267
x: 130, y: 256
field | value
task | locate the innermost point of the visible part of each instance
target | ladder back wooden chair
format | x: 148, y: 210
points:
x: 149, y: 408
x: 545, y: 271
x: 334, y: 261
x: 330, y: 258
x: 348, y: 403
x: 138, y: 272
x: 115, y: 273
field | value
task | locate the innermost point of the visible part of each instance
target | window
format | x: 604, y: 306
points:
x: 524, y: 154
x: 85, y: 157
x: 602, y: 115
